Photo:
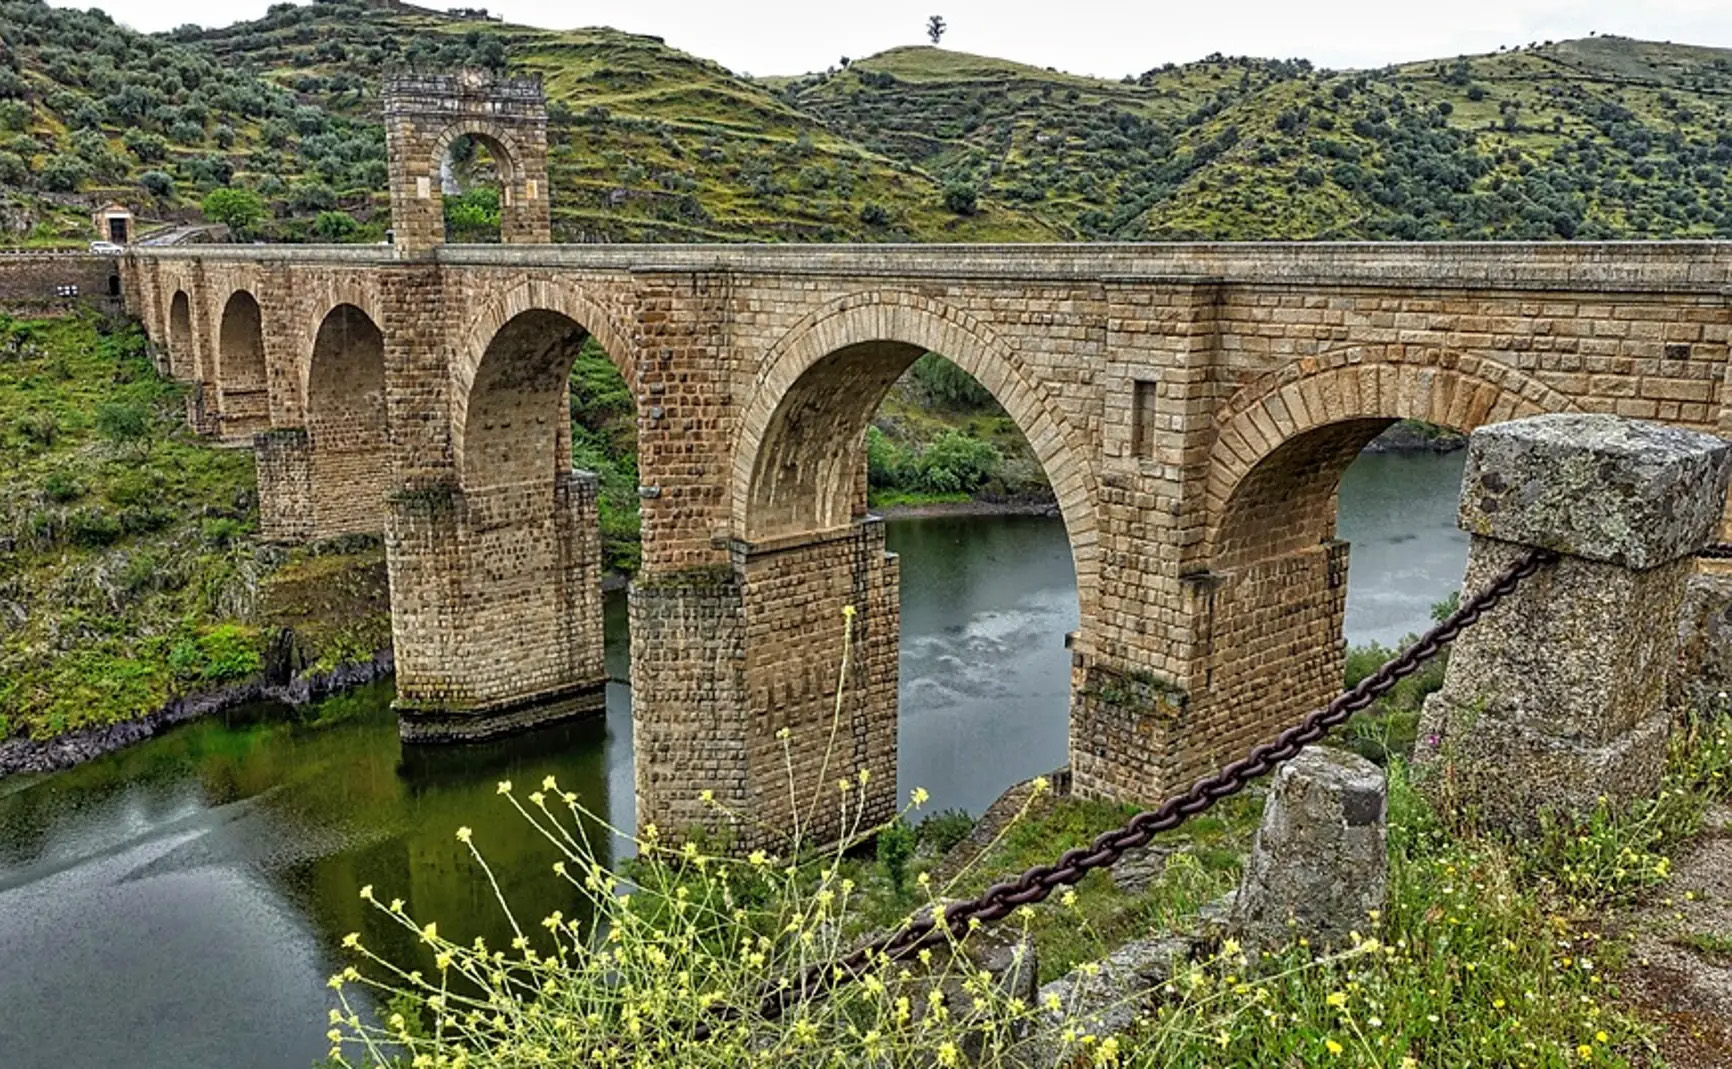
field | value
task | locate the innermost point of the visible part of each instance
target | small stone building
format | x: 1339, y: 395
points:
x: 114, y: 222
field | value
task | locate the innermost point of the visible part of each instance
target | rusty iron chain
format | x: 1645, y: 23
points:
x: 1038, y: 883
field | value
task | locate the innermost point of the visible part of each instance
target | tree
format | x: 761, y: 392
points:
x: 935, y: 27
x: 241, y: 209
x: 335, y: 226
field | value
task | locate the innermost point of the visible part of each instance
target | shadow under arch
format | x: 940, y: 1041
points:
x: 183, y: 361
x: 243, y: 401
x: 799, y: 460
x: 346, y: 424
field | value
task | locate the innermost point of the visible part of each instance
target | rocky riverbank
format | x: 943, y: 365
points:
x: 22, y: 755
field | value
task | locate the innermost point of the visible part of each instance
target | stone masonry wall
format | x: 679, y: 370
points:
x: 30, y: 283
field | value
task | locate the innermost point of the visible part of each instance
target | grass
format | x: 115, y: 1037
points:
x: 1711, y: 944
x: 1486, y: 952
x: 133, y: 574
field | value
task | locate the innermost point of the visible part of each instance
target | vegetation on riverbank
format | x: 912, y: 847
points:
x: 130, y: 572
x: 1488, y: 952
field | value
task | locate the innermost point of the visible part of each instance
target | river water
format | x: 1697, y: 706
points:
x: 181, y: 903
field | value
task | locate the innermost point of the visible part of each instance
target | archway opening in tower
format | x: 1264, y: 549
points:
x: 472, y: 186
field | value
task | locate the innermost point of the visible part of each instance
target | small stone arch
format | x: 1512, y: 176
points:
x: 344, y: 292
x: 424, y: 114
x: 183, y: 360
x: 882, y: 332
x: 512, y: 369
x: 242, y: 369
x: 1283, y: 439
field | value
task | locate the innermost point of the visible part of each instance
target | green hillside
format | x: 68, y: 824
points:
x: 649, y: 144
x: 1602, y: 137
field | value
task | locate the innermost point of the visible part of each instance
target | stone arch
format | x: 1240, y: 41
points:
x: 424, y: 114
x: 515, y: 184
x: 345, y: 292
x: 183, y: 362
x: 1284, y: 439
x: 347, y: 439
x: 798, y: 455
x: 242, y: 375
x: 511, y: 386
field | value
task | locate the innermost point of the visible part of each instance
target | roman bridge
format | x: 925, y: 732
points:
x: 1194, y: 407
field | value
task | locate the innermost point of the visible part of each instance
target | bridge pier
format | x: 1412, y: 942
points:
x: 496, y: 607
x: 735, y: 674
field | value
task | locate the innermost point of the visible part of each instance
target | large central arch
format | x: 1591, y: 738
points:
x: 503, y: 566
x: 797, y: 468
x: 805, y: 550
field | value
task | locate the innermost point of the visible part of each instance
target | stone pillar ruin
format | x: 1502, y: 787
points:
x: 496, y: 608
x: 1556, y: 698
x: 425, y: 113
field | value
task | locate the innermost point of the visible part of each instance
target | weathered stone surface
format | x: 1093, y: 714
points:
x: 1620, y: 491
x: 1193, y: 405
x: 1581, y: 651
x: 1557, y: 698
x: 1703, y: 675
x: 1108, y: 996
x: 1319, y: 864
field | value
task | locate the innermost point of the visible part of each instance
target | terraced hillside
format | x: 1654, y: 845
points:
x: 650, y: 144
x: 1601, y: 137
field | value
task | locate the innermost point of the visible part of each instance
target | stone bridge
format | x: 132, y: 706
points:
x: 1193, y: 405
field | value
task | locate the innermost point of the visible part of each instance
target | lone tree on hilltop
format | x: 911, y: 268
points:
x: 935, y: 27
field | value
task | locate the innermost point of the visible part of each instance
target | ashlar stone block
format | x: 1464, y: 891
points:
x: 1319, y: 865
x: 1598, y: 487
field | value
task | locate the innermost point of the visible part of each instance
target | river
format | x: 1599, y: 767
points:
x: 181, y: 903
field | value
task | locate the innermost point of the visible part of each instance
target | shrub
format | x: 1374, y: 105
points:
x: 943, y: 831
x: 64, y: 174
x: 157, y: 184
x: 336, y: 226
x: 895, y: 848
x: 875, y: 214
x: 956, y: 463
x: 122, y: 423
x: 961, y: 198
x: 216, y: 654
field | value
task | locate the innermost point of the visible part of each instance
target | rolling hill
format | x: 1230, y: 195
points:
x: 1601, y: 137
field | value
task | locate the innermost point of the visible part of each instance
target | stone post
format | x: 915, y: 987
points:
x: 1557, y: 697
x: 1320, y: 863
